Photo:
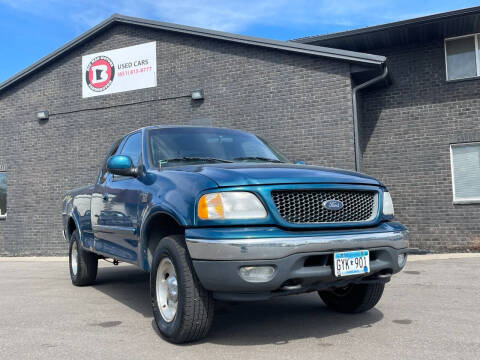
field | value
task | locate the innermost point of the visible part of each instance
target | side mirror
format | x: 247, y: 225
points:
x: 300, y: 162
x: 121, y: 165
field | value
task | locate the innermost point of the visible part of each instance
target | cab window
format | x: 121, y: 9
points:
x: 113, y: 150
x: 133, y: 148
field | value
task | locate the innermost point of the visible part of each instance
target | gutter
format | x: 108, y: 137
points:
x: 417, y: 21
x: 355, y: 89
x: 295, y: 47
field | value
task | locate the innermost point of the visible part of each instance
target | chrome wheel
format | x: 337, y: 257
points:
x: 167, y: 290
x: 74, y: 259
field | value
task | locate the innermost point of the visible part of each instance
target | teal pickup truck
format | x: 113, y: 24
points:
x: 220, y: 214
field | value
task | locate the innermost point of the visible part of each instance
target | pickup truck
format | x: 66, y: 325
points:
x: 220, y: 214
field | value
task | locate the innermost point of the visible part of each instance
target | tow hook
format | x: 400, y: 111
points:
x: 376, y: 278
x: 384, y: 276
x: 292, y: 284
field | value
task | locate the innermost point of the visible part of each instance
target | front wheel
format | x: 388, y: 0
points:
x: 182, y: 308
x: 354, y: 298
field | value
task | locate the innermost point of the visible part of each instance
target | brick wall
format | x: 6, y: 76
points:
x: 406, y: 131
x: 298, y: 102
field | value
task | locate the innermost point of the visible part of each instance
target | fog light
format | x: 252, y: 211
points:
x: 402, y: 259
x: 257, y: 274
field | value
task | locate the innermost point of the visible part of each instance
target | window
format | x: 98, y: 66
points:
x: 465, y: 160
x: 103, y: 172
x: 180, y: 146
x: 3, y: 195
x: 462, y: 57
x: 133, y: 147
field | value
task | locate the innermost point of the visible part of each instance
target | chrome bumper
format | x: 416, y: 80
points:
x: 275, y: 248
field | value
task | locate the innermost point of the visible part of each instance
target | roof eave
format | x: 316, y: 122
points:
x: 392, y: 25
x: 256, y: 41
x: 295, y: 47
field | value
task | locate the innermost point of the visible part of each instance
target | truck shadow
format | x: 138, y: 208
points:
x: 276, y: 321
x: 126, y: 284
x: 281, y: 320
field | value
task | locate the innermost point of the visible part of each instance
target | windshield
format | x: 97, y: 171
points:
x: 189, y: 145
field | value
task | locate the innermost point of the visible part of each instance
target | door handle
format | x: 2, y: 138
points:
x: 105, y: 196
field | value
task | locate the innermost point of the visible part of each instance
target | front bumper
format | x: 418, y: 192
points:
x: 303, y: 260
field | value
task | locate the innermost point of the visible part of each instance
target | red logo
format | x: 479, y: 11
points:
x: 100, y: 73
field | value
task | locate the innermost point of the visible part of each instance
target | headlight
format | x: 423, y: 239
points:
x: 387, y: 204
x: 230, y: 205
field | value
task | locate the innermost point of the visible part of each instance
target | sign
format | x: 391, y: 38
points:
x: 3, y: 168
x: 125, y: 69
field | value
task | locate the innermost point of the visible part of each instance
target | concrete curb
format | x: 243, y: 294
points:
x: 410, y: 257
x: 443, y: 256
x: 33, y: 258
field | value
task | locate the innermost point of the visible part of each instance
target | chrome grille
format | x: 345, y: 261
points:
x: 306, y: 206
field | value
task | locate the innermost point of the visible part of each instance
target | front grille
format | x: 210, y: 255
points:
x: 306, y: 206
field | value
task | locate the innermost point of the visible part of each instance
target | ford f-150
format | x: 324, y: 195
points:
x: 221, y: 214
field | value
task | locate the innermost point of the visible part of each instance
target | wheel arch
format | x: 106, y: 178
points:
x: 72, y: 225
x: 157, y: 225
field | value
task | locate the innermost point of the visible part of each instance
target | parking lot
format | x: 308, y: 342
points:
x: 429, y: 311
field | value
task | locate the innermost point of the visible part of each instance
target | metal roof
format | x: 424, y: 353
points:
x: 345, y: 55
x: 421, y: 29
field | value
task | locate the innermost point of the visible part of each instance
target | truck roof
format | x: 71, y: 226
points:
x: 181, y: 127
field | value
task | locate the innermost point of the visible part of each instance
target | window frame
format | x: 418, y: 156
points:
x: 103, y: 173
x: 139, y: 161
x: 4, y: 216
x: 476, y: 37
x: 115, y: 178
x: 461, y: 201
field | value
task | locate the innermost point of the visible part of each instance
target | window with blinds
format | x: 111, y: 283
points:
x: 465, y: 159
x: 461, y: 55
x: 3, y: 195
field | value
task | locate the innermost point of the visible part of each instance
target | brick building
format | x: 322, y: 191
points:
x: 420, y: 134
x: 379, y: 100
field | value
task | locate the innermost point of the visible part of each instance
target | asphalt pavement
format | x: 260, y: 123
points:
x: 429, y: 311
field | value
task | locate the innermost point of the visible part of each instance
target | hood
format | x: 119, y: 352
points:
x: 263, y: 174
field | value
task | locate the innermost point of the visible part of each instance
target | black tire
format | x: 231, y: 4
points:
x: 355, y: 298
x: 195, y: 305
x: 87, y: 263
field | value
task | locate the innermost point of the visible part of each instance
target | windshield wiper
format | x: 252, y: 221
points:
x: 258, y: 158
x: 194, y: 158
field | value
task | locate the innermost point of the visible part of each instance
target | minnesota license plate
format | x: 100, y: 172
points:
x: 351, y: 263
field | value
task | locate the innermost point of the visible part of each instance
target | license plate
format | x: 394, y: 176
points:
x: 351, y: 263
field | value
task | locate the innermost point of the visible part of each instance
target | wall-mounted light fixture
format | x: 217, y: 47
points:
x: 197, y: 94
x: 42, y: 115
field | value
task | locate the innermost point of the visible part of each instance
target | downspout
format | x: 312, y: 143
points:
x: 355, y: 112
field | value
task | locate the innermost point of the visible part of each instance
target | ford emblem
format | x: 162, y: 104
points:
x: 333, y: 205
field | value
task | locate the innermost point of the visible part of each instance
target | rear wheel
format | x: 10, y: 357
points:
x: 83, y: 264
x: 182, y: 308
x: 354, y: 298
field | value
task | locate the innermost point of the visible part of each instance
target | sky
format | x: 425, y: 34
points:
x: 31, y: 29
